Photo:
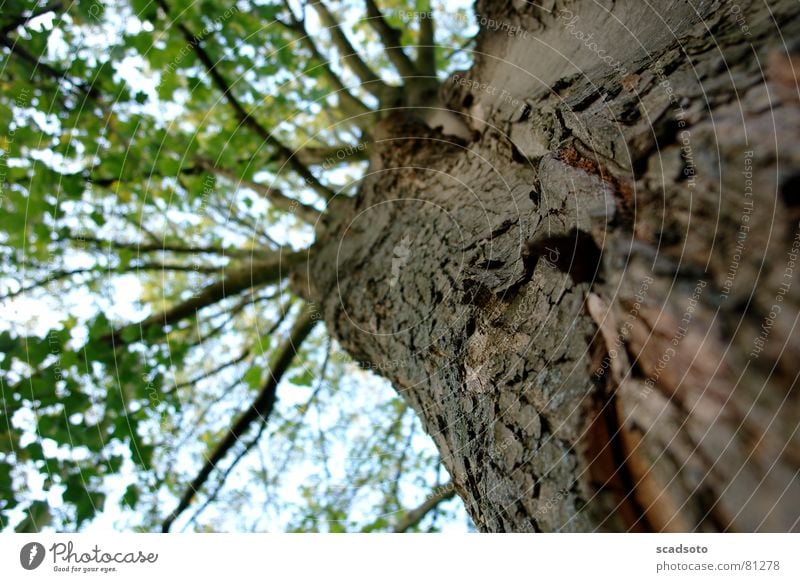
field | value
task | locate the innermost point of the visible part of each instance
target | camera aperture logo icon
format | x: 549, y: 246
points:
x: 31, y: 555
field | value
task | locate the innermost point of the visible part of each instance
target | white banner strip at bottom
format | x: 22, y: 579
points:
x: 356, y: 557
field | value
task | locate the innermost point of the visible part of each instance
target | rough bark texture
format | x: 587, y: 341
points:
x: 577, y: 302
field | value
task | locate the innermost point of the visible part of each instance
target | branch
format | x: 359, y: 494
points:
x: 111, y: 182
x: 450, y: 53
x: 248, y: 300
x: 308, y: 156
x: 214, y: 371
x: 304, y: 212
x: 320, y: 155
x: 369, y: 80
x: 238, y: 223
x: 390, y: 38
x: 55, y: 74
x: 55, y: 276
x: 173, y: 248
x: 22, y: 20
x: 149, y: 266
x: 224, y: 477
x: 426, y: 51
x: 395, y: 487
x: 261, y: 408
x: 189, y: 433
x: 137, y: 224
x: 157, y: 266
x: 304, y: 408
x: 245, y: 117
x: 234, y: 282
x: 413, y: 517
x: 224, y: 391
x: 351, y: 104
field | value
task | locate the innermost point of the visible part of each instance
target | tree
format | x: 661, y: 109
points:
x: 573, y: 260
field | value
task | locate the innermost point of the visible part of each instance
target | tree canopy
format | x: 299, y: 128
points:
x: 165, y: 164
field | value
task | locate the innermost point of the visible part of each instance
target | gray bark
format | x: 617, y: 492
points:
x: 562, y: 300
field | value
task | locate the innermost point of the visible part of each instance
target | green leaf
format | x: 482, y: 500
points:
x: 38, y: 516
x: 131, y: 496
x: 5, y: 477
x: 253, y: 377
x: 54, y: 427
x: 87, y: 503
x: 303, y: 378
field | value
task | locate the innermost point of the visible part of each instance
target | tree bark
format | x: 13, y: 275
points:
x: 591, y: 305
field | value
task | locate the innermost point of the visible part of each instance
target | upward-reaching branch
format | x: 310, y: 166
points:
x: 416, y: 515
x: 259, y: 409
x: 235, y: 281
x: 351, y: 105
x: 426, y: 51
x: 37, y: 64
x: 370, y: 81
x: 244, y: 116
x: 390, y: 37
x: 304, y: 212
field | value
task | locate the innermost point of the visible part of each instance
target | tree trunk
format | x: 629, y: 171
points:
x: 591, y: 305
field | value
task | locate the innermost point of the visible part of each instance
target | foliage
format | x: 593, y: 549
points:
x: 162, y: 166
